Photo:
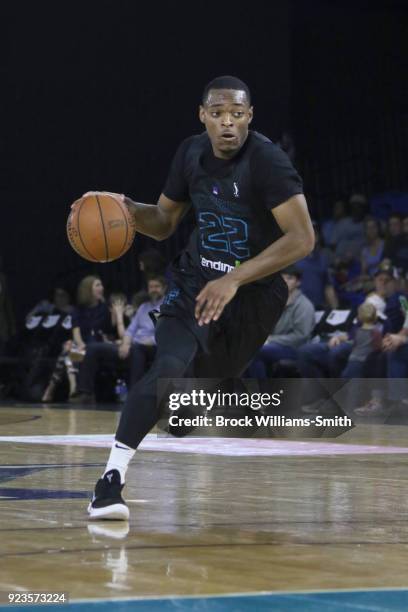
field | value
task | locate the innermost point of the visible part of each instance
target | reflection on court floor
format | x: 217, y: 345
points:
x: 233, y: 447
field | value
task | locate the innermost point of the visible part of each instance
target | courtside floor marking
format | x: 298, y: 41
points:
x: 232, y: 447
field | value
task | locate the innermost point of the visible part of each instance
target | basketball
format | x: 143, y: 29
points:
x: 100, y: 228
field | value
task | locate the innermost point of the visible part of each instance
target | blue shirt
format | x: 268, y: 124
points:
x: 141, y: 328
x: 315, y: 277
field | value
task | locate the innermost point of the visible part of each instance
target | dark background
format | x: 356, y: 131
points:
x: 98, y: 95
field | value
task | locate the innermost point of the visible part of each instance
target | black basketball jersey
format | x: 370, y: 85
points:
x: 232, y: 200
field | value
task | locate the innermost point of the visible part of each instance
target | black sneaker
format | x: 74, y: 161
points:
x: 107, y: 501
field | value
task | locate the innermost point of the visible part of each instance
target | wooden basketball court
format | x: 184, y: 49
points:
x: 215, y: 524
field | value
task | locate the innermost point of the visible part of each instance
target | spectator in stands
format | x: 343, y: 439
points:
x: 353, y: 292
x: 326, y: 358
x: 151, y: 263
x: 330, y: 226
x: 348, y: 235
x: 387, y: 292
x: 373, y: 248
x: 7, y: 321
x: 91, y: 318
x: 91, y: 322
x: 395, y: 348
x: 293, y: 329
x: 367, y: 339
x: 396, y: 248
x: 366, y: 343
x: 394, y: 228
x: 60, y: 303
x: 347, y: 282
x: 137, y: 300
x: 138, y: 346
x: 316, y: 282
x: 382, y: 290
x: 117, y: 307
x: 393, y: 314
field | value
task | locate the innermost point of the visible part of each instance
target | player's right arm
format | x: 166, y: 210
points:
x: 158, y: 221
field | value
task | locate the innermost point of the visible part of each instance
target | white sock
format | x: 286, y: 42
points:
x: 119, y: 459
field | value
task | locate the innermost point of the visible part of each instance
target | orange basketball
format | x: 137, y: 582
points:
x: 100, y: 228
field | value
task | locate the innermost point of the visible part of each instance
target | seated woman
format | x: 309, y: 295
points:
x: 91, y: 318
x: 137, y: 346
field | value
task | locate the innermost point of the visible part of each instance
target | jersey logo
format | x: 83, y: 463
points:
x: 215, y: 190
x: 236, y: 190
x: 222, y: 233
x: 219, y: 266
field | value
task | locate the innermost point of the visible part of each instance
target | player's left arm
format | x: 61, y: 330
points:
x: 297, y: 242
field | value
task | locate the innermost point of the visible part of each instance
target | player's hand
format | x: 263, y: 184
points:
x: 123, y: 351
x: 213, y: 298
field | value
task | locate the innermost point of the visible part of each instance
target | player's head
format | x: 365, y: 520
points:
x: 226, y: 112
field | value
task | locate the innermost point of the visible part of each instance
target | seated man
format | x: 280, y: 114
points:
x: 138, y: 346
x: 293, y: 329
x: 395, y: 345
x: 328, y: 357
x: 348, y: 236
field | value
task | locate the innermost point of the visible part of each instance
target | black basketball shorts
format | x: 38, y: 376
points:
x: 229, y: 344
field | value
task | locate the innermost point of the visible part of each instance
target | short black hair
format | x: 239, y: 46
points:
x: 226, y: 82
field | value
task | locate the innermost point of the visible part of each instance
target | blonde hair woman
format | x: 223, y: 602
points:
x: 91, y: 318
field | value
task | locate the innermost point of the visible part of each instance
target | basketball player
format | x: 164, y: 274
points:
x: 252, y: 221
